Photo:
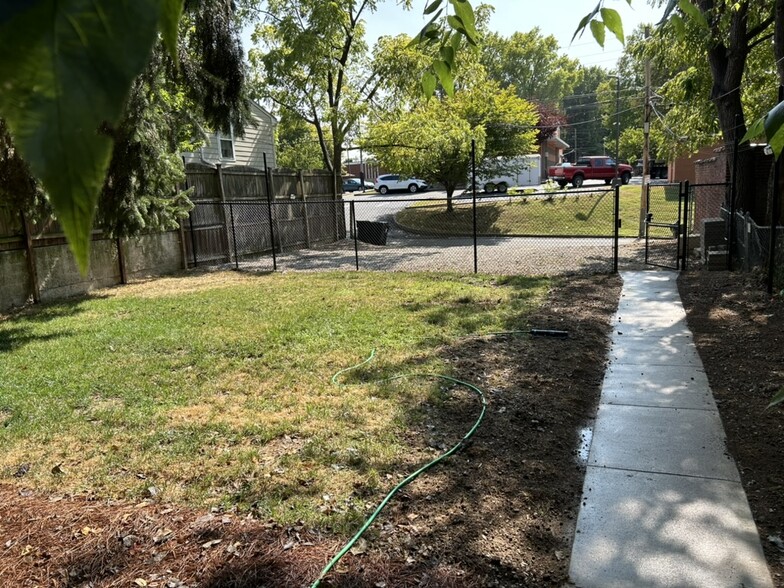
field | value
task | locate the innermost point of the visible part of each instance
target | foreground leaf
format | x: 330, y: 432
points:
x: 774, y: 128
x: 69, y: 73
x: 777, y: 399
x: 612, y: 20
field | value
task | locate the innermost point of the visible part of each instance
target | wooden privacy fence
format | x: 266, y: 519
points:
x: 233, y: 216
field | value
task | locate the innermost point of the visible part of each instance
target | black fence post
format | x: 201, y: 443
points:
x: 733, y: 194
x: 234, y: 237
x: 686, y: 191
x: 268, y: 186
x: 193, y: 237
x: 352, y: 215
x: 617, y: 223
x: 473, y: 191
x: 774, y: 215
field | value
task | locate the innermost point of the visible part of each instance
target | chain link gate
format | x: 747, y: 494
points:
x: 666, y: 216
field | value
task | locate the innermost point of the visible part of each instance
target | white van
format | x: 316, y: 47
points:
x: 527, y: 175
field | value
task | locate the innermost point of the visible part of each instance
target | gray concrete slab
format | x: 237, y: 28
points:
x: 642, y: 530
x: 650, y: 326
x: 675, y: 387
x: 676, y: 350
x: 662, y: 502
x: 665, y: 440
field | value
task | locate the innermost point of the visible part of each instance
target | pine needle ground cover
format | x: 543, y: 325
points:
x: 214, y: 390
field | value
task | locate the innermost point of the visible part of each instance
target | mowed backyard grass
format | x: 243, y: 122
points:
x: 215, y: 389
x: 586, y: 214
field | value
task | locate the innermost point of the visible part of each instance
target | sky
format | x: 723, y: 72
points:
x: 553, y: 17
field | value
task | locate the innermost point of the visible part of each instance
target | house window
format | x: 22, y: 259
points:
x: 226, y: 145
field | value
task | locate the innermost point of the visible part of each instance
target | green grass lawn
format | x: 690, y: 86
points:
x: 215, y: 389
x: 564, y: 214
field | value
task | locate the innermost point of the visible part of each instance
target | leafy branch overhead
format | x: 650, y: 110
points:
x: 67, y: 79
x: 450, y: 22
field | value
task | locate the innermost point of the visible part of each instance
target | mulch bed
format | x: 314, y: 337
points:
x: 739, y: 331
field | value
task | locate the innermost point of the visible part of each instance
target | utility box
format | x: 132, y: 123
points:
x: 372, y: 232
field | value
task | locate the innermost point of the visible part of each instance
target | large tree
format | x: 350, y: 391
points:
x: 728, y: 31
x: 532, y: 63
x: 311, y: 62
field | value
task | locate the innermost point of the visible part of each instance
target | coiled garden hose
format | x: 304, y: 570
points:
x: 411, y: 477
x: 459, y: 445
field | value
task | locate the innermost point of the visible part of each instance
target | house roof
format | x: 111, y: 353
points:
x: 557, y: 142
x: 262, y: 112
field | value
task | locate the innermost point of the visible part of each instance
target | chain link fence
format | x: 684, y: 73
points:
x: 542, y: 233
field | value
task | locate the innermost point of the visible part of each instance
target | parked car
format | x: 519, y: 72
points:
x: 355, y: 185
x: 390, y: 182
x: 596, y: 167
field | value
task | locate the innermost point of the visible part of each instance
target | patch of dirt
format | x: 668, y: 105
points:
x: 739, y: 331
x: 501, y: 512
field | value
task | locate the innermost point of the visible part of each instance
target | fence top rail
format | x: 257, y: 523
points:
x: 722, y: 184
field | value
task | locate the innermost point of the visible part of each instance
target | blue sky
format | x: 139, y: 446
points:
x: 553, y: 17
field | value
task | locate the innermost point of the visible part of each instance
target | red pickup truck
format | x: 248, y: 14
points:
x: 597, y: 167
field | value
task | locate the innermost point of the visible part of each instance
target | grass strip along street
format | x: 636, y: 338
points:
x: 562, y: 214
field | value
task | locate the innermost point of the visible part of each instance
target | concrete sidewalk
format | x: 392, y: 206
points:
x: 662, y: 501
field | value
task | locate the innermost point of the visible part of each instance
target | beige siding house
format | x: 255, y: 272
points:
x: 230, y: 150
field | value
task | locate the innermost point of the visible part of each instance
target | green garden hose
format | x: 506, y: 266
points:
x: 411, y: 477
x: 424, y: 468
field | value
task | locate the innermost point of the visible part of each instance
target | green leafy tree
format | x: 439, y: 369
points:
x: 432, y: 142
x: 296, y: 143
x: 728, y: 32
x: 530, y: 62
x: 432, y: 139
x: 312, y: 63
x: 96, y: 108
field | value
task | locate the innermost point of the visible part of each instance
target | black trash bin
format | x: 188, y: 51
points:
x: 372, y: 232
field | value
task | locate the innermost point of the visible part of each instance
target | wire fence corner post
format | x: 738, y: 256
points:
x: 473, y: 192
x: 352, y: 215
x: 733, y: 194
x: 268, y: 186
x: 686, y: 195
x: 774, y: 215
x: 617, y: 227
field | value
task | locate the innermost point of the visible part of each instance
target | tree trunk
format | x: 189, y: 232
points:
x: 727, y: 63
x: 450, y: 190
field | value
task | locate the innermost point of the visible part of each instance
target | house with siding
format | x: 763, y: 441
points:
x: 233, y: 150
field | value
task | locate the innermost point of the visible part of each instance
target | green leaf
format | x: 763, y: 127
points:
x: 428, y: 83
x: 597, y: 29
x: 445, y: 76
x: 774, y: 128
x: 456, y: 24
x: 454, y: 41
x: 679, y: 26
x: 612, y: 20
x: 584, y: 22
x: 756, y: 129
x: 171, y: 10
x: 433, y: 6
x: 69, y: 73
x: 693, y: 12
x: 777, y: 399
x: 465, y: 14
x: 448, y: 55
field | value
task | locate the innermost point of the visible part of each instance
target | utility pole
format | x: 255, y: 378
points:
x: 617, y: 123
x: 646, y: 144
